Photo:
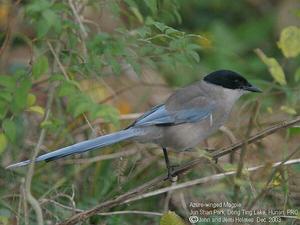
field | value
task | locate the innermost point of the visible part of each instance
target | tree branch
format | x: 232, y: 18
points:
x: 236, y: 186
x: 203, y: 180
x: 128, y: 196
x: 28, y: 195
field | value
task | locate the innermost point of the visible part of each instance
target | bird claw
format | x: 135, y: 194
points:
x: 171, y: 176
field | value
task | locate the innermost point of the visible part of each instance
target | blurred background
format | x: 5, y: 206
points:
x: 73, y: 70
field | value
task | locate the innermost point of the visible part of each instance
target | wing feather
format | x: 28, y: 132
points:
x: 160, y: 116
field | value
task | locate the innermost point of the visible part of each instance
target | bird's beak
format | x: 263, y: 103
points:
x: 252, y: 88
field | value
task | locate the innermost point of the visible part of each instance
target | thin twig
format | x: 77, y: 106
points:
x: 83, y: 33
x: 232, y: 139
x: 236, y: 187
x: 77, y: 17
x: 6, y: 39
x: 228, y: 133
x: 25, y: 207
x: 63, y: 70
x: 18, y: 216
x: 130, y: 116
x: 168, y: 198
x: 183, y: 203
x: 161, y: 179
x: 70, y: 208
x: 61, y: 67
x: 148, y: 213
x: 101, y: 157
x: 267, y: 186
x: 257, y: 136
x: 29, y: 197
x: 203, y: 180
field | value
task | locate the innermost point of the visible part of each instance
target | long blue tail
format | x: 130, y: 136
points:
x: 81, y: 147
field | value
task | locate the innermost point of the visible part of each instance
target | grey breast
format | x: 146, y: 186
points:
x: 202, y: 95
x: 207, y: 101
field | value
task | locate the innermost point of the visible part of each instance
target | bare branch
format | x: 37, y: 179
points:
x: 236, y: 188
x: 203, y: 180
x: 147, y: 213
x: 61, y: 67
x: 101, y: 157
x: 29, y: 197
x: 267, y: 186
x: 130, y: 116
x: 161, y: 179
x: 78, y: 19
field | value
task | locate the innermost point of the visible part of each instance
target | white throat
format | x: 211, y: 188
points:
x: 224, y: 94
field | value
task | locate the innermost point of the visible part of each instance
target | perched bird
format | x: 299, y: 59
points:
x: 187, y: 117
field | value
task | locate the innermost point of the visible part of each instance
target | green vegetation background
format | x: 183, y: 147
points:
x: 101, y: 62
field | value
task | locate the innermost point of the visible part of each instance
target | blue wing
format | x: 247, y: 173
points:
x: 159, y: 115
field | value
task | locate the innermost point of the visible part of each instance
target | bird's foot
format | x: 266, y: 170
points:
x: 171, y: 176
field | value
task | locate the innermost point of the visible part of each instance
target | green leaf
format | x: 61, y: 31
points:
x: 10, y: 129
x: 143, y: 32
x: 114, y: 64
x: 294, y: 131
x: 229, y: 167
x: 289, y: 41
x: 171, y: 218
x: 152, y: 5
x: 296, y: 167
x: 194, y: 55
x: 193, y: 47
x: 4, y: 220
x: 20, y: 99
x: 38, y: 6
x: 50, y: 16
x: 135, y: 65
x: 3, y: 109
x: 31, y: 99
x: 137, y: 14
x: 52, y: 19
x: 297, y: 75
x: 8, y: 81
x: 37, y: 109
x: 162, y: 27
x: 114, y: 7
x: 172, y: 31
x: 46, y: 124
x: 288, y: 110
x: 7, y: 96
x: 274, y: 68
x: 106, y: 112
x: 80, y: 108
x: 66, y: 89
x: 3, y: 142
x: 40, y: 66
x: 42, y: 28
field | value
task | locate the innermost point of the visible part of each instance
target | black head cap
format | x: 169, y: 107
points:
x: 230, y: 79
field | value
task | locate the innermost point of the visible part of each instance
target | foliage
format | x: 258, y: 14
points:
x: 65, y: 44
x: 273, y: 66
x: 170, y: 218
x: 289, y: 41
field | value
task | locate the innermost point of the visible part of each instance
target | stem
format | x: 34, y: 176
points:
x: 128, y: 196
x: 28, y: 195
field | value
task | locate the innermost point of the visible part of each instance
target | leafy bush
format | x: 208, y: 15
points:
x: 53, y: 52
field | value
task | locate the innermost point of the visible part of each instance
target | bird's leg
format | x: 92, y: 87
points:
x: 169, y: 167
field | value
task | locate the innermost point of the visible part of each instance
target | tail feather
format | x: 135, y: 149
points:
x: 81, y: 147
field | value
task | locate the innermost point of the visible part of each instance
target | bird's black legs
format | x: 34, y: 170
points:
x: 169, y: 168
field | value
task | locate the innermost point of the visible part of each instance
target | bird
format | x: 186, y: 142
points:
x: 188, y: 116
